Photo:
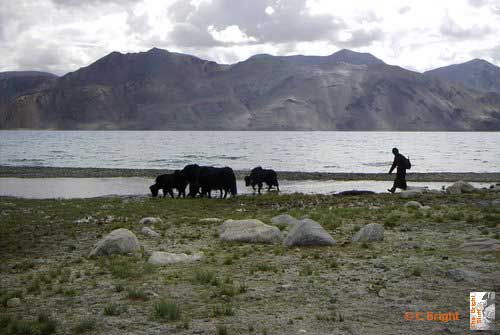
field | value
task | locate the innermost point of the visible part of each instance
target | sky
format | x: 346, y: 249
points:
x: 60, y: 36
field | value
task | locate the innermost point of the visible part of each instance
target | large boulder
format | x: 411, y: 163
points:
x: 284, y: 219
x: 150, y: 221
x: 460, y: 187
x: 308, y: 233
x: 369, y: 233
x: 166, y: 258
x: 119, y: 241
x: 481, y: 245
x: 249, y: 231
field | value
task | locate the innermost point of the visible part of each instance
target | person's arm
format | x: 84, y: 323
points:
x: 394, y: 164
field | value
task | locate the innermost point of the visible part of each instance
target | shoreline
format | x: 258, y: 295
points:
x: 64, y: 172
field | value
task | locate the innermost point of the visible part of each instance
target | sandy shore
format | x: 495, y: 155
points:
x: 53, y: 172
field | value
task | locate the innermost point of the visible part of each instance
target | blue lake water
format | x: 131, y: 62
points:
x: 282, y: 151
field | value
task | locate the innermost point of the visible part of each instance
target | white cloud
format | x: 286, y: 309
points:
x: 63, y: 35
x: 230, y: 34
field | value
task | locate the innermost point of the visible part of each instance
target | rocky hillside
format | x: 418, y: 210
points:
x: 163, y: 90
x: 477, y: 74
x: 19, y: 95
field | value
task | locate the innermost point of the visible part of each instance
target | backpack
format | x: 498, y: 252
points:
x: 406, y: 162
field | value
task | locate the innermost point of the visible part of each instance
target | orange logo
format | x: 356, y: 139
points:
x: 432, y: 316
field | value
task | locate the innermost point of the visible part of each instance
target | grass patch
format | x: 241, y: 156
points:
x: 222, y: 310
x: 392, y: 220
x: 86, y: 325
x: 137, y: 294
x: 43, y: 325
x: 306, y: 270
x: 227, y: 290
x: 264, y: 267
x: 416, y: 271
x: 114, y: 309
x: 242, y: 288
x: 331, y: 317
x: 221, y: 330
x: 34, y: 287
x: 206, y: 277
x: 166, y: 310
x: 123, y: 268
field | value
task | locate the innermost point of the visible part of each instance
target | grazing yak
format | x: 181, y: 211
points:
x: 167, y: 182
x: 258, y: 176
x: 205, y: 179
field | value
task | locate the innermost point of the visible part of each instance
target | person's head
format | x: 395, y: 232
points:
x: 395, y: 151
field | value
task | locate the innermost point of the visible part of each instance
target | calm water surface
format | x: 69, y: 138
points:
x: 284, y: 151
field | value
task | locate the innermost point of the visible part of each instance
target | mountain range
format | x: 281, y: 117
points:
x: 159, y: 89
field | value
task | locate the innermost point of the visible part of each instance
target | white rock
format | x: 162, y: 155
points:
x: 119, y: 241
x: 167, y: 258
x: 249, y: 231
x: 150, y: 232
x: 460, y: 187
x: 370, y: 232
x: 308, y: 233
x: 150, y: 221
x: 284, y: 219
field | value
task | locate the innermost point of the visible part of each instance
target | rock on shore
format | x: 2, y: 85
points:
x: 166, y: 258
x: 369, y: 233
x: 119, y: 241
x: 460, y: 187
x: 308, y: 233
x: 249, y: 231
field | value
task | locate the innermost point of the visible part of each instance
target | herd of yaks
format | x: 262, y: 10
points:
x: 202, y: 180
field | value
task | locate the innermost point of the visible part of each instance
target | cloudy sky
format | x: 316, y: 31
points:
x: 63, y: 35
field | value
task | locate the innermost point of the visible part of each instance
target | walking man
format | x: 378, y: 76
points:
x: 401, y: 163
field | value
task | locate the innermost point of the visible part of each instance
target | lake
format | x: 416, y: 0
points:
x: 283, y: 151
x: 368, y: 152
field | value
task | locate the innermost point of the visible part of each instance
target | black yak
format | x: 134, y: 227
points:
x: 205, y: 179
x: 258, y: 176
x: 167, y: 182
